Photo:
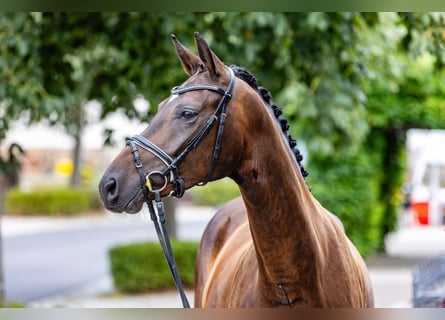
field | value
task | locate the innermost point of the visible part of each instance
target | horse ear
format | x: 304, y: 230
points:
x: 190, y: 61
x: 211, y: 61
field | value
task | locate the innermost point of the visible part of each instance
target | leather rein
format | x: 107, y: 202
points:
x: 171, y: 175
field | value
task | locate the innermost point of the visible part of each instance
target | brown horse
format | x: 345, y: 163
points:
x: 276, y: 245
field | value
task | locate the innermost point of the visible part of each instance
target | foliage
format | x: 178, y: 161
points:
x: 411, y: 97
x: 315, y: 63
x: 356, y: 180
x: 309, y: 62
x: 9, y: 304
x: 416, y: 101
x: 425, y: 33
x: 21, y: 90
x: 138, y: 268
x: 82, y: 56
x: 50, y: 201
x: 344, y: 79
x: 403, y: 91
x: 215, y: 193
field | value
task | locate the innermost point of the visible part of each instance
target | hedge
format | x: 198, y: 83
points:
x: 51, y: 201
x: 141, y: 267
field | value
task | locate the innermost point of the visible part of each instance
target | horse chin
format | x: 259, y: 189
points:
x: 134, y: 208
x: 135, y: 204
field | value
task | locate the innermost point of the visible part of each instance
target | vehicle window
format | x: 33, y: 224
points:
x: 429, y: 171
x: 427, y: 175
x: 442, y: 176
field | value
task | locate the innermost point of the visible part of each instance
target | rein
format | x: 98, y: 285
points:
x: 171, y: 174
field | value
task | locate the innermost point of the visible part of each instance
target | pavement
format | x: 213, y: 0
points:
x: 391, y: 273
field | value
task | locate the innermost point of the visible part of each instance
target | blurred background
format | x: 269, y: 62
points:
x: 364, y: 93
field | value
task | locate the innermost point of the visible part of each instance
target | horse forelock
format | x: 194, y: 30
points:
x: 250, y: 79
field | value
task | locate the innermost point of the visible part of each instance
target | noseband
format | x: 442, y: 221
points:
x: 170, y: 173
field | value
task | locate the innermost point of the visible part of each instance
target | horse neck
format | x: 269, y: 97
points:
x: 283, y: 215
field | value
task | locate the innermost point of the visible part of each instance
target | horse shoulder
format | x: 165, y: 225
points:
x: 223, y: 224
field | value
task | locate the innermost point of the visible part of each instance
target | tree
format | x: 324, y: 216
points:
x: 409, y: 97
x: 405, y: 91
x: 81, y: 65
x: 20, y: 94
x: 80, y: 57
x: 108, y: 57
x: 21, y: 90
x: 416, y: 102
x: 334, y: 64
x: 326, y: 69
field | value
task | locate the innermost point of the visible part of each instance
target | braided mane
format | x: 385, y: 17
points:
x: 251, y: 80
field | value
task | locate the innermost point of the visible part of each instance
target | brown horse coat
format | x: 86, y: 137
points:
x: 227, y: 269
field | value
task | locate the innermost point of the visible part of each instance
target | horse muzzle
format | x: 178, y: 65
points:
x: 119, y: 197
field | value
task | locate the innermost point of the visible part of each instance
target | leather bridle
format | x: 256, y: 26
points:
x: 171, y: 175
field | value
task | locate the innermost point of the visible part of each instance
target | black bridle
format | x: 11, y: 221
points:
x: 171, y: 174
x: 171, y: 164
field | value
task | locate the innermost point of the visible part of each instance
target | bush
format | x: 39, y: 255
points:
x: 349, y: 187
x: 11, y: 304
x: 50, y: 201
x: 215, y: 193
x: 142, y: 267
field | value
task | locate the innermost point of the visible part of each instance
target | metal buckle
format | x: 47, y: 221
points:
x: 138, y: 164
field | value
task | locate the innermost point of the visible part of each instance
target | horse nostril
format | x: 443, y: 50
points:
x: 111, y: 190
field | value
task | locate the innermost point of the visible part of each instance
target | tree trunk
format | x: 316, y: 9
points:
x: 394, y: 148
x: 78, y: 123
x: 77, y: 160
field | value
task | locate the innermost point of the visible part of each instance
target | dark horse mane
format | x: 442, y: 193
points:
x: 251, y: 80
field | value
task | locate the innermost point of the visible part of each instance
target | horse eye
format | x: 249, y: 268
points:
x: 188, y: 114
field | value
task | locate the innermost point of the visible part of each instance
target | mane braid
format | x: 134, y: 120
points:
x: 251, y: 80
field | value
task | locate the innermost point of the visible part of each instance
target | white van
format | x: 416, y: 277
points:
x: 428, y: 188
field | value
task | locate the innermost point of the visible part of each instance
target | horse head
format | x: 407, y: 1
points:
x: 184, y: 144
